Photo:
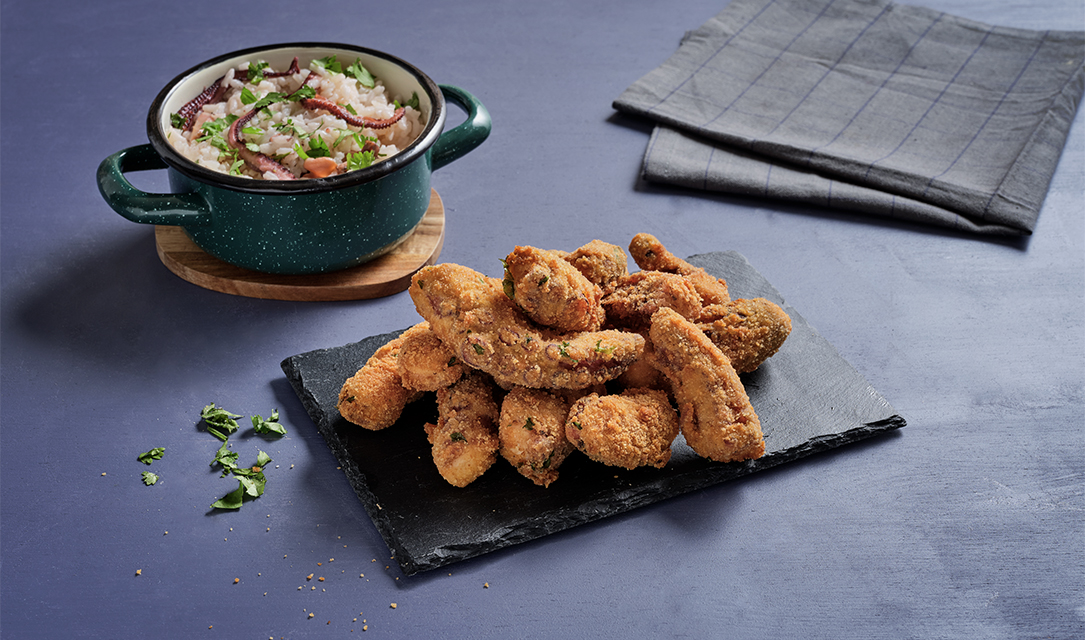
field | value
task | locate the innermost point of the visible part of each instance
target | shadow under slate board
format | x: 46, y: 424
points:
x: 808, y: 399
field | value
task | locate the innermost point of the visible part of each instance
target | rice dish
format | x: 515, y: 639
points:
x: 329, y: 118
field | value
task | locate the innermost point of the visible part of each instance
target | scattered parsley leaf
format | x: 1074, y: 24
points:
x: 456, y: 436
x: 177, y: 120
x: 152, y: 455
x: 220, y: 422
x: 300, y: 151
x: 413, y: 102
x: 231, y: 500
x: 271, y: 425
x: 478, y: 349
x: 247, y: 96
x: 529, y: 424
x: 149, y: 478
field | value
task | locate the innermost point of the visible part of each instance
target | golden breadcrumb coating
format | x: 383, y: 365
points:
x: 716, y: 417
x: 472, y: 315
x: 464, y: 440
x: 650, y: 255
x: 425, y: 363
x: 551, y: 291
x: 600, y: 262
x: 630, y: 430
x: 373, y: 398
x: 532, y: 433
x: 632, y: 299
x: 747, y: 331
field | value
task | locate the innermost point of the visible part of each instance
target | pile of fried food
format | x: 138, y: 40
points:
x: 571, y: 351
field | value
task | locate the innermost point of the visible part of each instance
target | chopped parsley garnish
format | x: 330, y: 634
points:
x: 360, y: 160
x: 318, y: 148
x: 177, y: 120
x: 456, y: 436
x: 577, y: 425
x: 361, y: 74
x: 149, y: 478
x: 330, y: 64
x: 452, y: 361
x: 150, y: 456
x: 478, y: 349
x: 256, y: 71
x: 600, y: 349
x: 529, y: 424
x: 247, y: 96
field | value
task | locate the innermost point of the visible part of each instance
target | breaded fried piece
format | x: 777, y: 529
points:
x: 425, y: 363
x: 373, y: 398
x: 465, y: 439
x: 551, y: 291
x: 532, y: 433
x: 630, y: 430
x: 650, y: 255
x: 600, y: 262
x: 471, y: 314
x: 633, y: 298
x: 643, y: 373
x: 715, y: 414
x: 747, y: 331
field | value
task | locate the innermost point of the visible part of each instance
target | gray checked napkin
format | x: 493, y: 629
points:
x: 866, y: 105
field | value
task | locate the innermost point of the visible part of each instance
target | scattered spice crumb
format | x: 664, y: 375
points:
x: 103, y: 473
x: 319, y: 564
x: 139, y: 572
x: 485, y: 585
x: 321, y: 579
x: 236, y: 580
x: 309, y: 577
x: 362, y: 575
x: 311, y: 615
x: 393, y: 605
x: 365, y: 627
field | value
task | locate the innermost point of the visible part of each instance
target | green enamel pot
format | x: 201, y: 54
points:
x: 295, y: 226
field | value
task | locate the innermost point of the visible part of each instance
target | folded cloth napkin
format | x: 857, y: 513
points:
x: 866, y: 105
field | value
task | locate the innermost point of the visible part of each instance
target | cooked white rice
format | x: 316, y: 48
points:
x: 291, y: 125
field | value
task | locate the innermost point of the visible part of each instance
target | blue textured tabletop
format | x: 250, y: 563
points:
x: 967, y: 523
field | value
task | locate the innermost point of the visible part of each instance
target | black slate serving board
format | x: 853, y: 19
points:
x: 807, y: 397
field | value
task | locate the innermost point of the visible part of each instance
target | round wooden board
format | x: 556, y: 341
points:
x: 383, y: 276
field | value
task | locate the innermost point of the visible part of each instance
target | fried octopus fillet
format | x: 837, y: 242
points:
x: 551, y: 291
x: 373, y: 398
x: 630, y: 430
x: 600, y: 262
x: 715, y: 414
x: 464, y: 440
x: 650, y: 255
x: 424, y: 362
x: 532, y: 433
x: 747, y: 331
x: 472, y: 315
x: 633, y: 298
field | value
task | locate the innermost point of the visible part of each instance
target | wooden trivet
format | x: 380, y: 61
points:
x: 388, y: 274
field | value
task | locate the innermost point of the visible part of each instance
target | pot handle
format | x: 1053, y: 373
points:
x: 458, y: 141
x: 178, y: 209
